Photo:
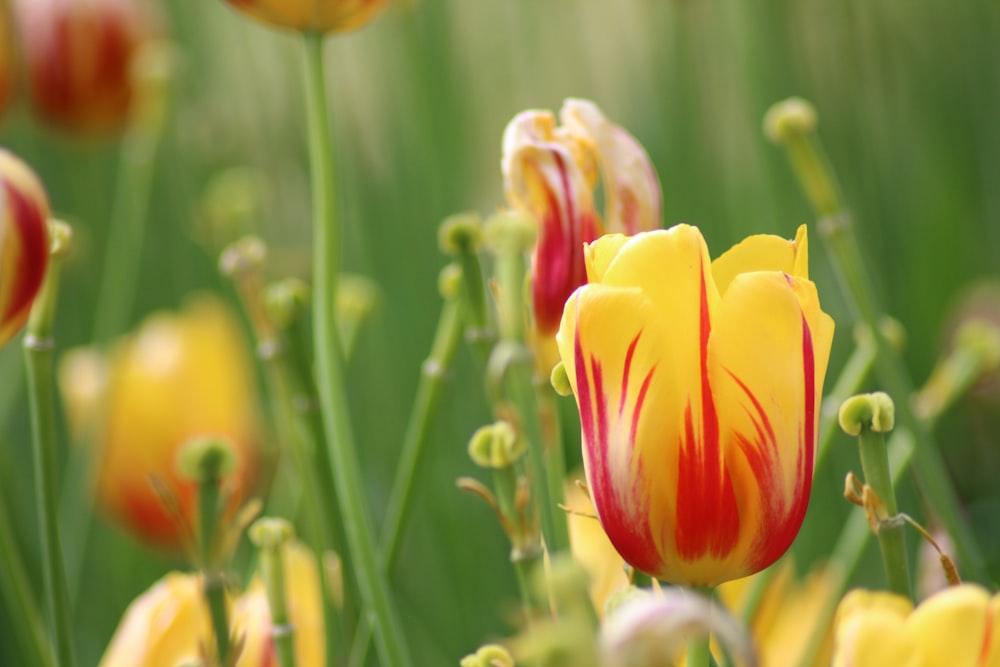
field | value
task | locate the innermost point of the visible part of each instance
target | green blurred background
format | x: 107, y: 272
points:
x: 908, y: 95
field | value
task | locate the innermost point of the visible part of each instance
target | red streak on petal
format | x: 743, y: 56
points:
x: 29, y: 221
x: 627, y: 526
x: 640, y: 399
x: 625, y: 373
x: 984, y: 647
x: 708, y: 522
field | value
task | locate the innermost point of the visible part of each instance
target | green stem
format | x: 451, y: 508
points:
x: 129, y: 212
x: 892, y: 539
x: 345, y: 468
x: 698, y: 653
x: 22, y: 611
x: 837, y: 230
x: 434, y: 375
x: 214, y: 590
x: 273, y: 574
x: 38, y: 348
x: 554, y: 459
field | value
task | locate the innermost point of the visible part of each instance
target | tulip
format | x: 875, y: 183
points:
x: 78, y: 56
x: 24, y: 242
x: 168, y: 624
x: 311, y: 15
x: 698, y: 385
x: 550, y: 174
x: 957, y: 626
x: 179, y: 377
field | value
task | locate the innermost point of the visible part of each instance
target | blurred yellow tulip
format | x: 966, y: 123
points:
x: 168, y: 624
x: 179, y: 376
x: 957, y: 626
x: 311, y: 15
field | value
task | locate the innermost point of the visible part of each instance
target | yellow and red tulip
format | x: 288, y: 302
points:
x: 24, y: 242
x: 311, y: 15
x: 957, y: 626
x: 550, y: 174
x: 168, y: 624
x: 699, y: 385
x: 180, y: 376
x: 78, y: 56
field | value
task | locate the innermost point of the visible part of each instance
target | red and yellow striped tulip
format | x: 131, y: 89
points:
x: 168, y: 625
x: 957, y: 626
x: 550, y: 174
x: 24, y: 242
x: 78, y: 56
x: 699, y: 385
x: 179, y: 377
x: 311, y: 15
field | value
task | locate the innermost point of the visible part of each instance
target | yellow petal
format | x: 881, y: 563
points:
x: 763, y: 252
x: 598, y: 255
x: 762, y: 364
x: 953, y: 627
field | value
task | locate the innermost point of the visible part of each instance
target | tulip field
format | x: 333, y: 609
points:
x: 496, y: 333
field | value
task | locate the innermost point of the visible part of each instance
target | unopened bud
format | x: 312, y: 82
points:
x: 450, y: 281
x: 560, y: 380
x: 791, y: 118
x: 460, y: 233
x: 206, y: 458
x: 491, y: 655
x: 60, y: 238
x: 509, y: 230
x: 243, y: 256
x: 270, y: 532
x: 286, y: 301
x: 874, y: 411
x: 496, y: 445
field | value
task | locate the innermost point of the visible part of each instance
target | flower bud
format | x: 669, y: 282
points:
x: 24, y: 242
x: 311, y: 15
x: 78, y: 56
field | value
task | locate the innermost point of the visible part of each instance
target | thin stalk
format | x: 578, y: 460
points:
x: 554, y: 458
x: 345, y: 468
x: 698, y: 653
x: 26, y: 623
x: 836, y: 228
x: 891, y: 539
x: 214, y: 590
x: 433, y: 377
x: 38, y: 349
x: 273, y: 573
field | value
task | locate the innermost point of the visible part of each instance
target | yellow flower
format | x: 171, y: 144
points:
x: 550, y: 174
x: 957, y: 626
x: 179, y: 376
x: 24, y: 242
x: 786, y: 616
x: 312, y: 15
x: 699, y: 385
x: 169, y: 623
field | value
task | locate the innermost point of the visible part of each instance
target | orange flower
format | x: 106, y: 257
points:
x: 311, y: 15
x: 699, y: 386
x: 167, y: 625
x: 178, y: 377
x: 24, y: 242
x: 78, y: 55
x: 550, y: 173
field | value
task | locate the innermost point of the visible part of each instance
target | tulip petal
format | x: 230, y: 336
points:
x: 955, y: 627
x: 763, y: 252
x: 600, y: 253
x: 763, y: 372
x: 543, y: 180
x: 631, y: 186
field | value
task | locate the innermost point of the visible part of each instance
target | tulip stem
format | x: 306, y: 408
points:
x: 344, y: 466
x: 433, y: 377
x: 22, y: 610
x: 698, y: 652
x: 836, y: 228
x: 271, y: 535
x: 127, y: 226
x: 38, y: 355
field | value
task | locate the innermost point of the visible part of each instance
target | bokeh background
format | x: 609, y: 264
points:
x: 908, y: 96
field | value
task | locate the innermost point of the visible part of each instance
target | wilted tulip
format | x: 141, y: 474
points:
x: 957, y: 626
x: 699, y: 385
x: 168, y: 624
x: 550, y: 173
x: 179, y: 377
x: 311, y: 15
x: 78, y: 56
x: 24, y: 242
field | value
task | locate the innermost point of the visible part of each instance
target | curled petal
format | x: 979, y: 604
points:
x: 320, y: 15
x: 634, y: 203
x: 543, y: 180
